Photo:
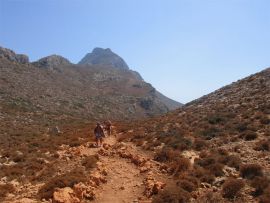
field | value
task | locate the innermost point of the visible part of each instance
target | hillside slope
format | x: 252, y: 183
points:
x: 226, y: 137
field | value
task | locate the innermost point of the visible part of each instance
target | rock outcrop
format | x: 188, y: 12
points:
x: 12, y: 56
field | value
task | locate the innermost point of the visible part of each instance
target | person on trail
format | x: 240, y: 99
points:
x: 99, y: 134
x: 108, y: 127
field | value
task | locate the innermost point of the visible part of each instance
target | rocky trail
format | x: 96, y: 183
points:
x: 132, y: 176
x: 123, y: 174
x: 124, y: 184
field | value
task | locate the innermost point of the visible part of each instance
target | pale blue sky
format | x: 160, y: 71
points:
x: 185, y: 48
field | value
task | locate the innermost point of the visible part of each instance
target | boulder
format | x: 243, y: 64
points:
x: 97, y: 178
x: 65, y: 195
x: 82, y: 191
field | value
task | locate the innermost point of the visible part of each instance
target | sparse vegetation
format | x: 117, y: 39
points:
x: 251, y: 171
x: 168, y: 196
x: 260, y: 184
x: 188, y: 184
x: 66, y: 180
x: 232, y: 187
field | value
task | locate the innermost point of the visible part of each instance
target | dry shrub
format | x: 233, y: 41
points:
x: 187, y: 186
x: 210, y: 133
x: 241, y: 127
x: 230, y: 160
x: 234, y: 161
x: 211, y: 197
x: 202, y: 174
x: 232, y: 187
x: 166, y: 154
x: 265, y: 198
x: 260, y: 184
x: 169, y: 196
x: 249, y: 135
x: 211, y: 164
x: 34, y: 165
x: 188, y: 183
x: 216, y: 169
x: 180, y: 165
x: 90, y: 162
x: 250, y: 171
x: 222, y: 152
x: 65, y: 180
x: 265, y: 120
x: 203, y: 154
x: 18, y: 158
x: 43, y: 175
x: 263, y: 145
x: 199, y: 144
x: 204, y: 162
x: 12, y: 172
x: 216, y: 119
x: 6, y: 189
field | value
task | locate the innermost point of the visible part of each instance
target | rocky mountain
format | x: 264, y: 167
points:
x: 53, y: 90
x: 219, y: 142
x: 104, y: 57
x: 52, y: 61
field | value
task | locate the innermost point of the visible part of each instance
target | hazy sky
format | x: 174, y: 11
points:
x: 185, y: 48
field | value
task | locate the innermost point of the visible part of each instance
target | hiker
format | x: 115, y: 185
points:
x: 99, y: 134
x: 108, y: 127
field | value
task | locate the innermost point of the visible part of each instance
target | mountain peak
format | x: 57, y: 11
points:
x: 106, y: 57
x: 100, y: 50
